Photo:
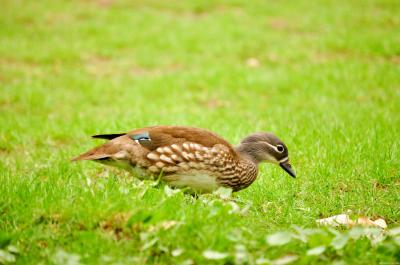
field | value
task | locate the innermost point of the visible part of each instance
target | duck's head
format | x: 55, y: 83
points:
x: 266, y: 147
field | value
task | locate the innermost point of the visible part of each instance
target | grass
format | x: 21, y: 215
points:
x: 324, y: 76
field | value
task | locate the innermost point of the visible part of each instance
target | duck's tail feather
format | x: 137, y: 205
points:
x: 97, y: 153
x: 108, y: 136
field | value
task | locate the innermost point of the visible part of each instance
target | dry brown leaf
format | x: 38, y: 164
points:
x: 364, y: 221
x: 381, y: 223
x: 163, y: 225
x: 116, y: 221
x: 344, y: 219
x: 115, y: 224
x: 336, y: 220
x: 253, y: 62
x: 168, y: 224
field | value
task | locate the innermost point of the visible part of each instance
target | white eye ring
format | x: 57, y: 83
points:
x: 280, y: 148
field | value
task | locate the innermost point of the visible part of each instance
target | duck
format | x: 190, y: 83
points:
x: 188, y: 157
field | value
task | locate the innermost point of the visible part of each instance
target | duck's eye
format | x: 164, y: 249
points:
x: 280, y: 148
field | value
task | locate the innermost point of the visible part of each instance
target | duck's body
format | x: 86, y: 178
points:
x: 182, y: 156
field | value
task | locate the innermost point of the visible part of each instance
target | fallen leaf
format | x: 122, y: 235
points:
x: 380, y: 223
x: 214, y: 255
x: 116, y: 220
x: 223, y: 193
x: 168, y: 224
x: 188, y: 262
x: 284, y: 260
x: 235, y: 208
x: 316, y: 251
x: 163, y: 225
x: 66, y: 258
x: 6, y: 257
x: 150, y: 243
x: 253, y: 62
x: 241, y: 255
x: 177, y: 252
x: 12, y: 249
x: 170, y: 192
x: 344, y: 219
x: 336, y: 220
x: 279, y: 239
x: 364, y: 221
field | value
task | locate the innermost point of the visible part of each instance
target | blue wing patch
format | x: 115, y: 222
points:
x: 141, y: 136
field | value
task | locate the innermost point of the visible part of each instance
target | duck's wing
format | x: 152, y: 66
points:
x: 161, y: 136
x: 177, y: 149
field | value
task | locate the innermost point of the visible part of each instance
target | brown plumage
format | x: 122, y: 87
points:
x: 190, y: 157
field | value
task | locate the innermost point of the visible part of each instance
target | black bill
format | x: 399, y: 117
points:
x: 288, y: 168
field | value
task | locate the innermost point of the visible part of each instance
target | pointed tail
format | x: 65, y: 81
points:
x: 103, y: 151
x: 96, y: 153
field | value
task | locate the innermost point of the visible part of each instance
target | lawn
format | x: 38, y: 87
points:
x: 322, y: 75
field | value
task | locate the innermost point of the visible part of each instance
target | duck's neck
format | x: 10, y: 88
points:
x: 249, y: 151
x: 247, y: 166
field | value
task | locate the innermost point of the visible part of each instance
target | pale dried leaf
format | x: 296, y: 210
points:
x: 168, y: 224
x: 64, y: 258
x: 241, y: 255
x: 253, y: 62
x: 124, y: 190
x: 316, y: 251
x: 279, y: 238
x: 12, y: 249
x: 150, y: 243
x: 245, y: 209
x: 187, y: 262
x: 339, y: 262
x: 214, y: 255
x: 364, y: 221
x: 344, y: 219
x: 170, y: 192
x: 336, y: 220
x: 177, y: 252
x: 223, y: 193
x: 380, y: 223
x: 235, y: 208
x: 284, y: 260
x: 163, y: 225
x: 6, y: 257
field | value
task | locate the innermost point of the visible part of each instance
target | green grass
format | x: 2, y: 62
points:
x: 327, y: 82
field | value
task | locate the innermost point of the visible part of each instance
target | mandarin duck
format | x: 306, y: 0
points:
x: 190, y: 157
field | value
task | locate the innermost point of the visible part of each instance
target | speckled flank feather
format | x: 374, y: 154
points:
x: 183, y: 156
x: 216, y: 161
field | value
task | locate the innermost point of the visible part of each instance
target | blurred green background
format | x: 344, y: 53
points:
x: 323, y: 75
